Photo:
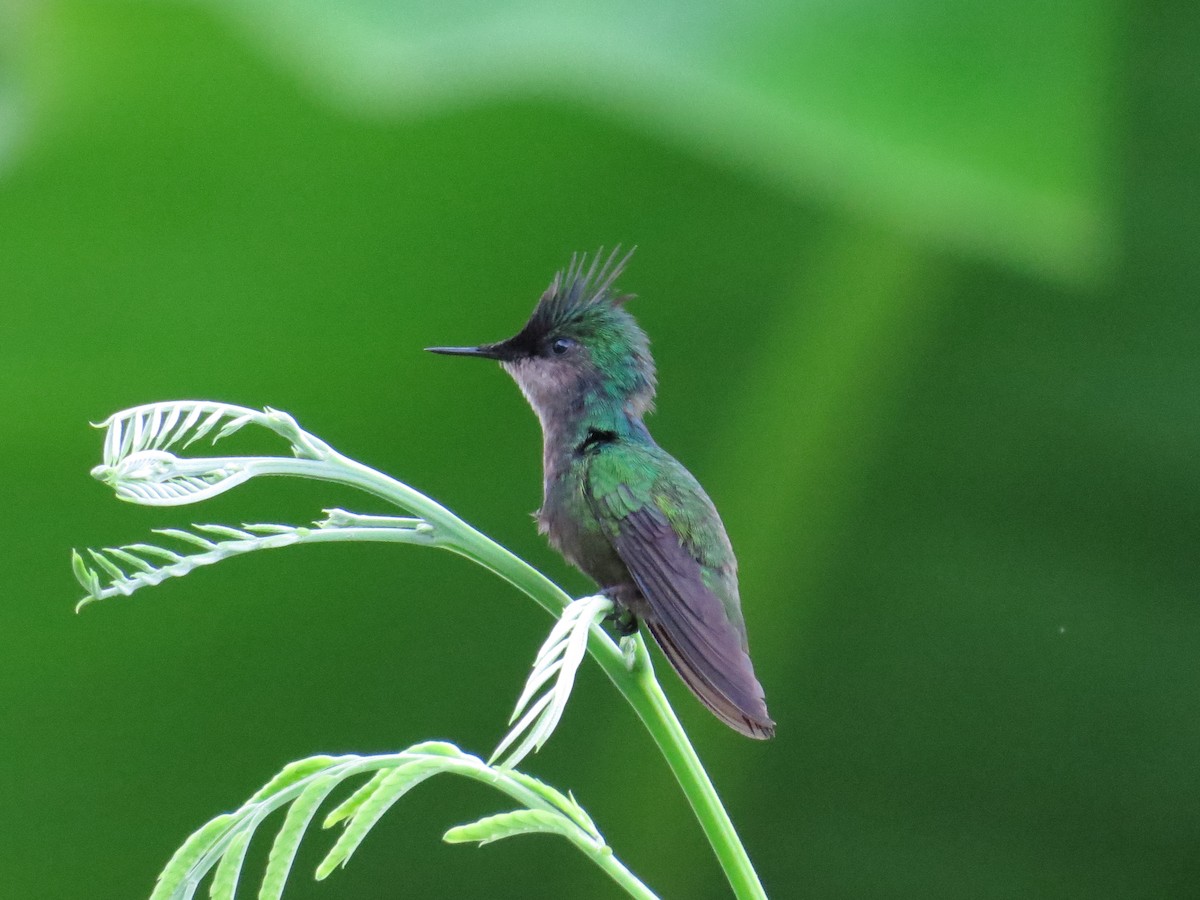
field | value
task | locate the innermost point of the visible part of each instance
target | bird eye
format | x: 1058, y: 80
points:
x: 561, y: 346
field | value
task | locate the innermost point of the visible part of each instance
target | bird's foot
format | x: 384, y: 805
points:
x: 623, y: 619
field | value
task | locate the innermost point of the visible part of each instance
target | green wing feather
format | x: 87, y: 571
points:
x: 667, y: 533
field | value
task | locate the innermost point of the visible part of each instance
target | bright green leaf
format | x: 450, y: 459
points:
x: 509, y: 824
x: 179, y: 868
x: 225, y: 880
x: 287, y: 841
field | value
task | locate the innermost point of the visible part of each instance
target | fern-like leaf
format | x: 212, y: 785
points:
x: 158, y: 426
x: 139, y: 465
x: 557, y: 662
x: 219, y: 848
x: 155, y: 478
x: 181, y: 423
x: 119, y: 571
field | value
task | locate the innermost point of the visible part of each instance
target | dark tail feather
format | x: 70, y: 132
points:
x: 746, y: 714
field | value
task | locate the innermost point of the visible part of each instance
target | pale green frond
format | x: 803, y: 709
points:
x: 141, y: 468
x: 422, y: 761
x: 152, y: 426
x: 107, y: 578
x: 222, y: 843
x: 148, y: 564
x: 557, y: 662
x: 219, y: 848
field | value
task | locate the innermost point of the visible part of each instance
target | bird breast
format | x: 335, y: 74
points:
x: 573, y: 530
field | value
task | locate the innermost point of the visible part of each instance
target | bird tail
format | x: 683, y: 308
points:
x: 746, y: 713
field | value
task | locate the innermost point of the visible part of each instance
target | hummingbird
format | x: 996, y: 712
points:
x: 615, y: 504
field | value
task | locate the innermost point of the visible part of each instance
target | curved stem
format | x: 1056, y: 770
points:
x: 637, y: 684
x: 615, y: 869
x: 664, y: 726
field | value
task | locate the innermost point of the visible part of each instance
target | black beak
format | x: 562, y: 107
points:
x: 484, y: 351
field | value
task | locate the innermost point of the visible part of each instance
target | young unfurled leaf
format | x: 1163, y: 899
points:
x: 152, y: 427
x: 558, y: 659
x: 159, y: 478
x: 139, y: 571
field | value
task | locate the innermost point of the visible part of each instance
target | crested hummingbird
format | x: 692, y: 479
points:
x: 618, y: 506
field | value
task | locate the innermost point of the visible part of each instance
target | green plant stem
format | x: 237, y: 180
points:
x: 664, y: 726
x: 637, y: 684
x: 615, y: 869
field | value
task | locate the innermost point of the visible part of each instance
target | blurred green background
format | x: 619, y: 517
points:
x: 923, y: 289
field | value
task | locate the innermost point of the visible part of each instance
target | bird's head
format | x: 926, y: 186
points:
x: 580, y: 345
